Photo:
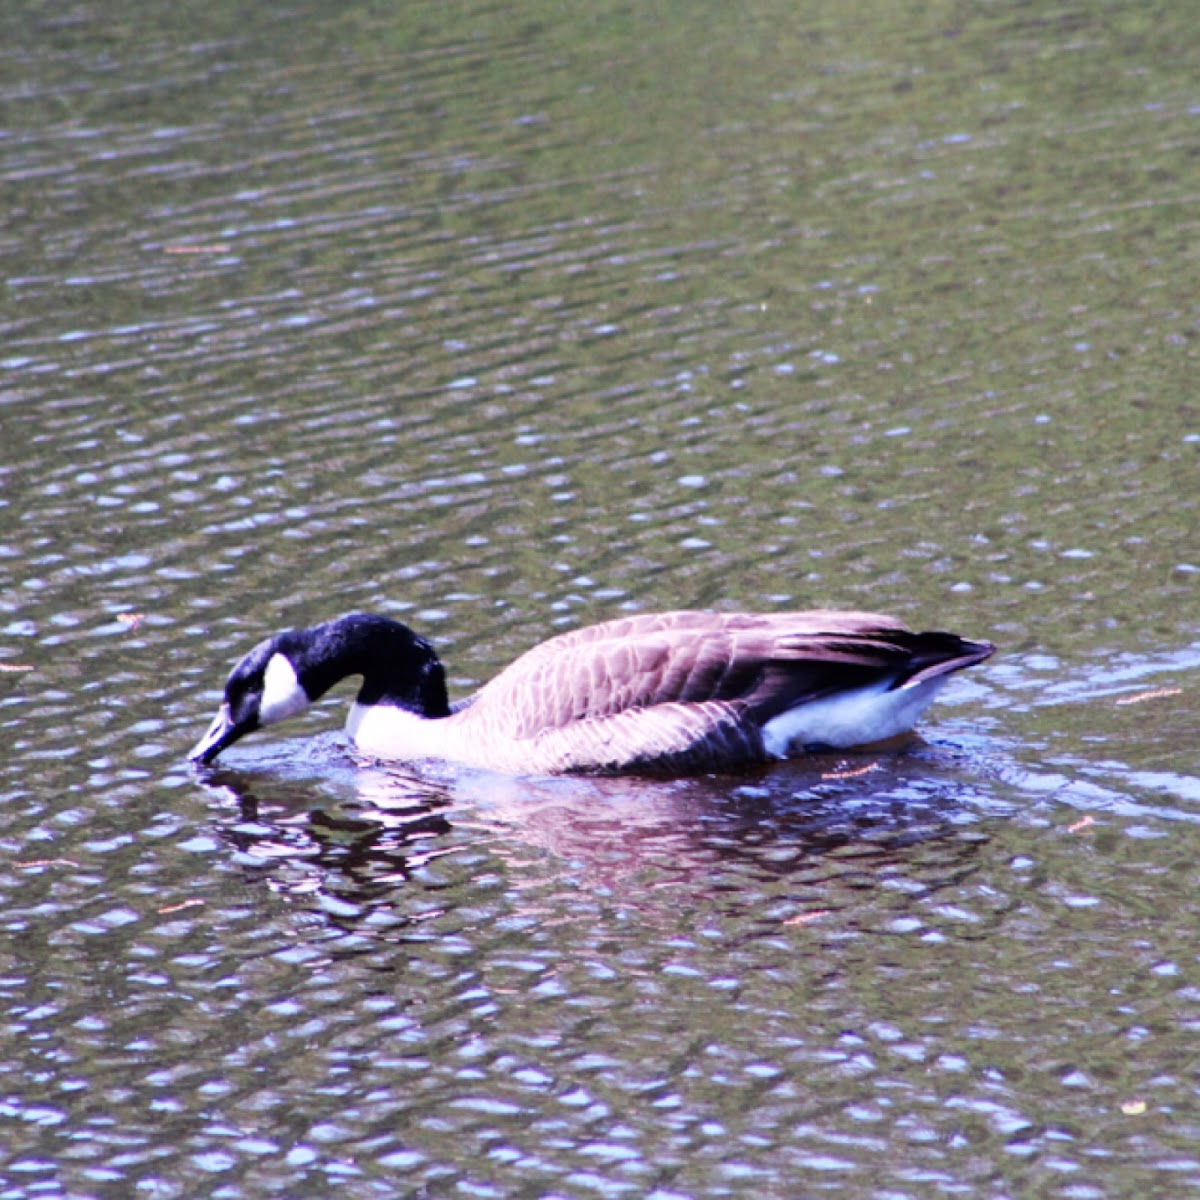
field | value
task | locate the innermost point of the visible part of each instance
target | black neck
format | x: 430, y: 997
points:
x: 397, y: 666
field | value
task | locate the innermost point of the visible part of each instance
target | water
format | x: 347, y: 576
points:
x: 504, y: 322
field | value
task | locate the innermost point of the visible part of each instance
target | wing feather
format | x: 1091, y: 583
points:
x: 763, y: 663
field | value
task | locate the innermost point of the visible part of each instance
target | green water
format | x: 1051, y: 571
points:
x: 506, y: 319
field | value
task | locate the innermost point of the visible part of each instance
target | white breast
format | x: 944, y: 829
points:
x: 385, y: 731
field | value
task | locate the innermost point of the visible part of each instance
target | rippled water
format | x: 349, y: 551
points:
x: 504, y: 321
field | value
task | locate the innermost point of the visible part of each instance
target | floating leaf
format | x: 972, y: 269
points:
x: 1156, y: 694
x: 805, y: 918
x: 851, y: 772
x: 189, y: 248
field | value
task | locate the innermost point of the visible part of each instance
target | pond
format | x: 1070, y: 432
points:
x: 504, y: 320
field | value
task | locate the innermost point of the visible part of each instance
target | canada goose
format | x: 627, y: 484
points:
x: 671, y: 692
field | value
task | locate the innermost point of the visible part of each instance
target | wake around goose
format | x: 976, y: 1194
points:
x: 662, y: 693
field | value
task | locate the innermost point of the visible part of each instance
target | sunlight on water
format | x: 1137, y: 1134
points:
x: 503, y: 326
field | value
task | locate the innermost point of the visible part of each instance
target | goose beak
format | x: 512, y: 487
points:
x: 223, y: 731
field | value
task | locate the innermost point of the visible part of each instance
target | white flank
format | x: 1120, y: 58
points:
x: 856, y: 718
x: 282, y: 695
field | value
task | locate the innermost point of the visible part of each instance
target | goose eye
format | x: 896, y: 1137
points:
x: 240, y: 696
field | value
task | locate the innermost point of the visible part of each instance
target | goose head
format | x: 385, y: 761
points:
x: 286, y: 673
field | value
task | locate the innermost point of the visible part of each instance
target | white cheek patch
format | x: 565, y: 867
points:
x: 282, y: 695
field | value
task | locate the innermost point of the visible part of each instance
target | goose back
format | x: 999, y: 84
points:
x: 685, y: 690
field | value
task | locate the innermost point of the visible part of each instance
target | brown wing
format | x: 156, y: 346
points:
x: 668, y: 738
x: 761, y: 663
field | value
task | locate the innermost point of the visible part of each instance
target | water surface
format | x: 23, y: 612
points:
x: 502, y: 322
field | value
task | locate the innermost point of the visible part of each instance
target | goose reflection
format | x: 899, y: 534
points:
x: 398, y: 845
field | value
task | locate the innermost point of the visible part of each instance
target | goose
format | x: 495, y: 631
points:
x: 661, y: 693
